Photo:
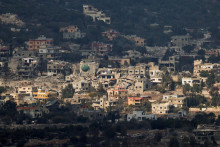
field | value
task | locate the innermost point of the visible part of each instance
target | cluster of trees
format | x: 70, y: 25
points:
x: 68, y: 91
x: 195, y: 100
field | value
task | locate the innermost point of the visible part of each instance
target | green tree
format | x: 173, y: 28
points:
x: 210, y: 80
x: 201, y: 52
x: 174, y: 142
x: 216, y: 100
x: 214, y: 91
x: 148, y: 106
x: 2, y: 89
x: 204, y: 73
x: 188, y: 48
x: 195, y: 100
x: 68, y: 91
x: 203, y: 118
x: 186, y: 88
x: 158, y: 136
x: 196, y: 88
x: 167, y: 81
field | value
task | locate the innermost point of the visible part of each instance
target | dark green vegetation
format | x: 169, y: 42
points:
x: 103, y: 133
x: 128, y: 17
x: 68, y: 91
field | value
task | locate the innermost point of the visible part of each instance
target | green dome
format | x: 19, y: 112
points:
x: 85, y: 67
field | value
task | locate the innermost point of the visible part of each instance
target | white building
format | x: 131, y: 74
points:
x: 93, y: 12
x: 190, y: 81
x: 174, y: 99
x: 140, y: 115
x: 154, y: 73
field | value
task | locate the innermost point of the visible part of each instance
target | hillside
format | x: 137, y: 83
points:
x: 128, y: 16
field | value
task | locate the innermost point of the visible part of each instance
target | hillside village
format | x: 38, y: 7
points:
x: 97, y: 81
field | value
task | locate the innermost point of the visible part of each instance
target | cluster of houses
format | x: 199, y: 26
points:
x: 38, y: 75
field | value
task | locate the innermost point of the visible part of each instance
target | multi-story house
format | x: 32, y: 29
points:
x: 44, y: 95
x: 104, y: 103
x: 121, y: 61
x: 34, y: 44
x: 139, y: 69
x: 137, y: 40
x: 57, y: 67
x: 117, y: 92
x: 160, y: 108
x: 49, y: 52
x: 174, y: 100
x: 33, y: 112
x: 181, y: 40
x: 170, y: 64
x: 191, y: 81
x: 4, y: 53
x: 72, y: 32
x: 133, y: 55
x: 101, y: 48
x: 154, y: 73
x: 200, y: 66
x: 140, y: 85
x: 93, y: 12
x: 27, y: 68
x: 110, y: 34
x: 140, y: 115
x: 81, y: 85
x: 41, y: 94
x: 24, y: 90
x: 137, y: 100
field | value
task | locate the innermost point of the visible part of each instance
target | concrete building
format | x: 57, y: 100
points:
x: 34, y: 44
x: 111, y: 34
x: 72, y: 32
x: 200, y: 66
x: 81, y: 85
x: 33, y: 112
x: 93, y: 12
x: 154, y: 73
x: 140, y: 85
x: 101, y: 48
x: 117, y: 92
x: 174, y: 100
x: 181, y: 40
x: 25, y: 90
x: 137, y: 100
x: 57, y: 67
x: 170, y: 64
x: 121, y: 61
x: 209, y: 133
x: 139, y: 69
x: 191, y: 81
x: 137, y: 40
x: 44, y: 95
x: 104, y: 103
x: 49, y: 52
x: 133, y: 55
x: 26, y: 68
x: 160, y: 108
x: 140, y: 115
